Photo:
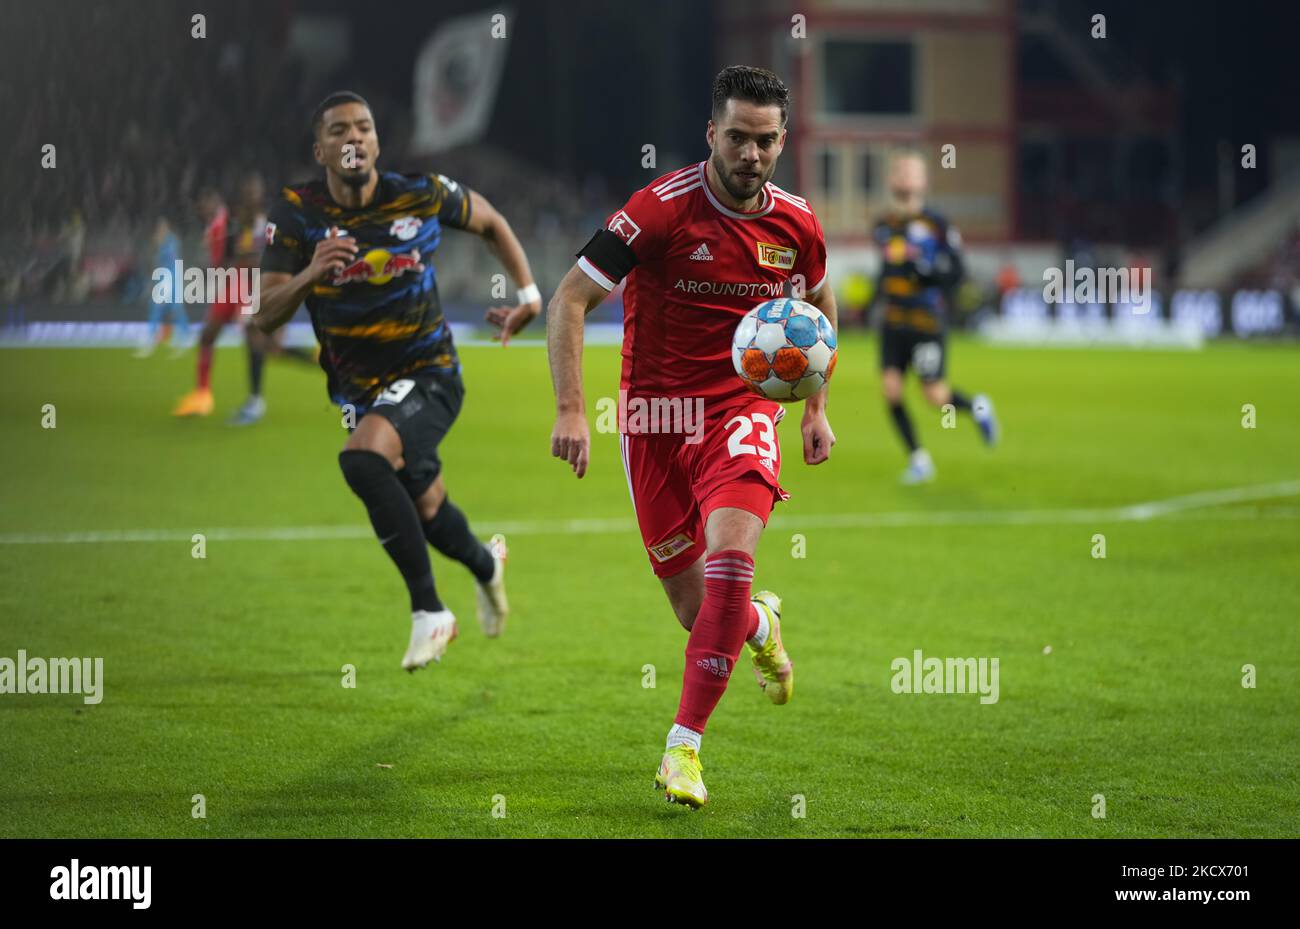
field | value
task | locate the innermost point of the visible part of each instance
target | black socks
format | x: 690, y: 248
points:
x: 449, y: 533
x: 395, y: 520
x: 903, y: 423
x: 256, y: 362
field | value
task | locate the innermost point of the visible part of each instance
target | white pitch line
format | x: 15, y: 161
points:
x: 1137, y: 512
x: 1214, y: 498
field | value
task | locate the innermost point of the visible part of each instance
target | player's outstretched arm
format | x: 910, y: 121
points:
x: 817, y: 435
x: 283, y: 293
x: 576, y: 296
x: 501, y: 240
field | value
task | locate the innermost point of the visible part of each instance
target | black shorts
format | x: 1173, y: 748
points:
x: 421, y: 408
x: 927, y: 352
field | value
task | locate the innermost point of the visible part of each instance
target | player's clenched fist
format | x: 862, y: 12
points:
x: 817, y: 438
x: 571, y: 441
x: 333, y: 253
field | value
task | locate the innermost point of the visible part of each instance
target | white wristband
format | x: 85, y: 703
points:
x: 529, y: 294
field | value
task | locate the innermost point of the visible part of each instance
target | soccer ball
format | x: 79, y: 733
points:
x: 784, y: 350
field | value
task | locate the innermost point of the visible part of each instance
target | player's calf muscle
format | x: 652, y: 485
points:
x: 685, y: 593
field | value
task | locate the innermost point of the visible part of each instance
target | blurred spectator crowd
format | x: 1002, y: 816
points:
x: 143, y: 123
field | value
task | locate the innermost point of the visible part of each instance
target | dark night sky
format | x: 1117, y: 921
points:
x: 583, y: 79
x: 1236, y: 61
x: 588, y: 81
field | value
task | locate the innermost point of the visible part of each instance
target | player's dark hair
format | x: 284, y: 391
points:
x: 756, y: 85
x: 333, y: 100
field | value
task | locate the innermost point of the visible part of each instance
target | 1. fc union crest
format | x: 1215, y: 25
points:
x: 405, y: 228
x: 671, y: 548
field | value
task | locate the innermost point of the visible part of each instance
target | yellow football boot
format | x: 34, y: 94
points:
x: 679, y: 777
x: 772, y: 666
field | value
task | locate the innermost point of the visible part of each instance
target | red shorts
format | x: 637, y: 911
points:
x: 675, y: 484
x: 225, y: 313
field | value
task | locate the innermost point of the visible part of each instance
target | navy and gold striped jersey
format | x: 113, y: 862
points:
x: 378, y: 319
x: 920, y: 259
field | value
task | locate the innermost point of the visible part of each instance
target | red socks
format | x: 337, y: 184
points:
x: 205, y: 366
x: 725, y: 621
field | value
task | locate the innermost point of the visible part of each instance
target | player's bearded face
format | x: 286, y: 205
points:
x: 746, y: 141
x: 348, y: 145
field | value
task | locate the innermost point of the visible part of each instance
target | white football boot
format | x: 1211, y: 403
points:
x: 985, y: 418
x: 492, y: 604
x: 920, y: 468
x: 431, y: 633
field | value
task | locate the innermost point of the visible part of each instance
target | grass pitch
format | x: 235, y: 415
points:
x: 223, y: 675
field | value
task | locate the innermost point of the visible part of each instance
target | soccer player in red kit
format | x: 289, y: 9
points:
x: 216, y: 239
x: 699, y: 248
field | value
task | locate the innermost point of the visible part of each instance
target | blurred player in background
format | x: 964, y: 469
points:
x: 248, y: 233
x: 920, y: 265
x: 353, y: 247
x: 688, y: 247
x: 167, y: 252
x: 216, y: 240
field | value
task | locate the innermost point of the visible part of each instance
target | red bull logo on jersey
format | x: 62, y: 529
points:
x: 378, y: 266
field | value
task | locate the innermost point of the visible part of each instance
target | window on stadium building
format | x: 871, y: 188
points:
x: 868, y: 78
x: 867, y: 173
x: 828, y: 174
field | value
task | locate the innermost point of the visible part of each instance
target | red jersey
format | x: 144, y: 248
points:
x: 699, y: 267
x: 214, y: 237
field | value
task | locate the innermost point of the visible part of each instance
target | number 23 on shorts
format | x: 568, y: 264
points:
x: 755, y: 427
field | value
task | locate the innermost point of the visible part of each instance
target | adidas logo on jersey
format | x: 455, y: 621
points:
x: 716, y: 666
x: 701, y: 253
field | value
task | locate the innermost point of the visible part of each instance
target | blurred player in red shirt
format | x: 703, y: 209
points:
x: 699, y: 248
x: 216, y: 241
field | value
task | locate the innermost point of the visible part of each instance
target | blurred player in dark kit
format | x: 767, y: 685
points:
x: 920, y: 264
